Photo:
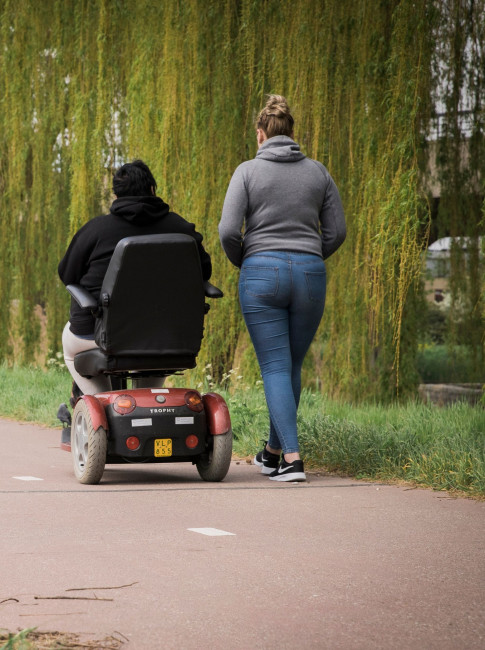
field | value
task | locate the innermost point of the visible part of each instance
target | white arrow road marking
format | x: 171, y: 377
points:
x: 213, y: 532
x: 28, y: 478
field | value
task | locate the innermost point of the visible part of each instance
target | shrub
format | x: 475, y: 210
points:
x: 439, y: 364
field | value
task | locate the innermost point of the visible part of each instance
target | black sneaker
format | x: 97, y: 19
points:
x: 267, y: 461
x: 289, y: 471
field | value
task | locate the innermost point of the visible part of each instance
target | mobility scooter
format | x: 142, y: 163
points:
x: 149, y: 324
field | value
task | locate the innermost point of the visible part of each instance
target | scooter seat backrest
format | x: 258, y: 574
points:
x: 152, y: 298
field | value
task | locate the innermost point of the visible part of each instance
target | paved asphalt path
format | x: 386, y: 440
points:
x: 334, y: 563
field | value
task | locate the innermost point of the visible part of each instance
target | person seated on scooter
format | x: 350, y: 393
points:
x: 136, y: 211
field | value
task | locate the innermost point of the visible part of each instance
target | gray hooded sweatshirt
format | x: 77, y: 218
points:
x: 285, y: 201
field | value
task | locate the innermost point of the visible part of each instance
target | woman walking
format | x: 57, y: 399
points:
x: 293, y: 219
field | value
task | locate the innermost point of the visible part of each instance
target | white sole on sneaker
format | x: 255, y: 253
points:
x: 264, y: 470
x: 296, y: 476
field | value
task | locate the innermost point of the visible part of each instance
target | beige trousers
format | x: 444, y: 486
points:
x: 72, y: 345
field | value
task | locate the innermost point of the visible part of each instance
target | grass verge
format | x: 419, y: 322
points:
x: 30, y: 639
x: 441, y: 448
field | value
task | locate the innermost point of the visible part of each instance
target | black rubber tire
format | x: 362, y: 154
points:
x: 214, y: 465
x: 88, y: 447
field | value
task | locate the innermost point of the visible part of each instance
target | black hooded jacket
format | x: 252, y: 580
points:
x: 89, y: 253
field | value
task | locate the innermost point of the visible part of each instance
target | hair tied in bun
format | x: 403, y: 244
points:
x: 275, y: 118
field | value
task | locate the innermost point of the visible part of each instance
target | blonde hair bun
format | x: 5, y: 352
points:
x: 275, y: 118
x: 277, y: 105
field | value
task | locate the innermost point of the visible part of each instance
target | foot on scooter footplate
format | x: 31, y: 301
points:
x: 64, y: 416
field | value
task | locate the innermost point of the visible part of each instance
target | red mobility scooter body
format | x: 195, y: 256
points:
x: 155, y: 425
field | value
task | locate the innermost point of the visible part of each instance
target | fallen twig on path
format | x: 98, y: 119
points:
x: 56, y: 614
x: 100, y: 588
x: 69, y: 598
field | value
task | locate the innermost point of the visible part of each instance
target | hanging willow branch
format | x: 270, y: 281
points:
x: 88, y: 84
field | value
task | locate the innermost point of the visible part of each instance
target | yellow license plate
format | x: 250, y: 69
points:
x: 163, y: 447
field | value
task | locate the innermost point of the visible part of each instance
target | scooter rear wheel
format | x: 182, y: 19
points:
x: 214, y: 464
x: 88, y: 447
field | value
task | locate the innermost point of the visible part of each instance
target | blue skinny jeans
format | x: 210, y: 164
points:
x: 282, y: 296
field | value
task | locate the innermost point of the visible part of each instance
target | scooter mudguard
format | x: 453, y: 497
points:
x: 217, y: 414
x: 96, y: 411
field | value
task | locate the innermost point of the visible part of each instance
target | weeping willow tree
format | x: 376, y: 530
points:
x: 459, y: 101
x: 88, y: 84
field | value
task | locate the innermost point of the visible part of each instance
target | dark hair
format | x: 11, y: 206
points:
x: 275, y: 118
x: 133, y: 179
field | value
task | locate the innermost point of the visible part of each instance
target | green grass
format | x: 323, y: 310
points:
x: 32, y: 394
x: 442, y: 448
x: 31, y: 639
x: 16, y: 641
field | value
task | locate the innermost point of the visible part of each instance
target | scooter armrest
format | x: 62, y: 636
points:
x: 211, y: 291
x: 82, y: 296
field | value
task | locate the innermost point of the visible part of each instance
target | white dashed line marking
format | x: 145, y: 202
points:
x: 28, y: 478
x: 213, y: 532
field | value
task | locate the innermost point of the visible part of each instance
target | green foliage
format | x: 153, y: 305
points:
x: 436, y: 325
x: 88, y: 84
x: 460, y: 158
x: 441, y: 364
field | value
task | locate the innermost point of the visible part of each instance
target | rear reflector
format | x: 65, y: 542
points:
x: 191, y: 441
x: 132, y: 443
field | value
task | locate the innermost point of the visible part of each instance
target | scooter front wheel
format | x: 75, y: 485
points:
x: 214, y: 464
x: 88, y: 447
